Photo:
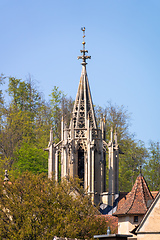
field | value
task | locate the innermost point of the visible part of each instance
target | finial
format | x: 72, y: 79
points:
x: 104, y: 118
x: 108, y: 231
x: 84, y: 57
x: 51, y: 136
x: 6, y: 176
x: 83, y: 30
x: 115, y: 136
x: 140, y: 170
x: 111, y: 134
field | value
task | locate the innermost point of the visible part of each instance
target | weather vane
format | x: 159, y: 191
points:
x: 84, y: 57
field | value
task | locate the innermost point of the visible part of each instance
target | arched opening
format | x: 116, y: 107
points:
x: 81, y: 165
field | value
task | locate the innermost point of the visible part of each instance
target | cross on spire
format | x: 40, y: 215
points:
x: 84, y: 51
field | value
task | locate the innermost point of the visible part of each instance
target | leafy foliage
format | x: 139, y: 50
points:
x: 133, y: 153
x: 152, y: 168
x: 33, y: 207
x: 30, y: 158
x: 24, y: 132
x: 60, y: 106
x: 25, y: 126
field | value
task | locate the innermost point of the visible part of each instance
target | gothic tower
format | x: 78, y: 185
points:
x: 82, y: 149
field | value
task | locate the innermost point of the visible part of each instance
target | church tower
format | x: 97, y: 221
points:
x: 82, y: 149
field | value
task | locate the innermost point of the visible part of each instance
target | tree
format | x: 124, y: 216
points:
x: 30, y: 158
x: 1, y: 98
x: 24, y: 95
x: 56, y: 97
x: 67, y: 108
x: 26, y: 124
x: 132, y: 153
x: 26, y: 121
x: 117, y: 117
x: 60, y: 106
x: 33, y: 207
x: 152, y: 167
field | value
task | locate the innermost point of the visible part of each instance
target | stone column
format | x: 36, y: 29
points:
x: 51, y: 162
x: 92, y: 174
x: 56, y: 165
x: 71, y: 162
x: 113, y: 168
x: 85, y: 170
x: 51, y: 156
x: 89, y: 168
x: 64, y: 157
x: 116, y: 160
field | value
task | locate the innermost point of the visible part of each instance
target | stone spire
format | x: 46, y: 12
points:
x: 83, y: 108
x: 82, y: 149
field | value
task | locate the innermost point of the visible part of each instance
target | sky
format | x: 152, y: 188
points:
x: 43, y: 39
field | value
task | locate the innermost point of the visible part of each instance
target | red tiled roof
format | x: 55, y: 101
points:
x: 137, y: 201
x: 112, y: 221
x: 122, y: 199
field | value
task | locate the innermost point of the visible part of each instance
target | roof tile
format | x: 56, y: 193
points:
x: 137, y: 201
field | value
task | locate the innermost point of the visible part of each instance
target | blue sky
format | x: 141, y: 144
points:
x: 43, y: 39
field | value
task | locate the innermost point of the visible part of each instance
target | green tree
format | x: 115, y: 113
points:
x: 26, y: 124
x: 56, y: 97
x: 132, y: 153
x: 1, y: 98
x: 30, y: 158
x: 24, y: 96
x: 33, y: 207
x: 60, y: 106
x: 152, y: 167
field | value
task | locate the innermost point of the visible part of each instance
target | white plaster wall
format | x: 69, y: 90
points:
x: 152, y: 223
x: 127, y: 224
x: 124, y: 225
x: 148, y: 237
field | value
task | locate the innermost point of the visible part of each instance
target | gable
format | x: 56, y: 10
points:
x: 151, y: 220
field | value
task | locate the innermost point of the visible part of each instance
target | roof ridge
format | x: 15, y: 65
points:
x: 133, y: 194
x: 143, y: 195
x: 144, y: 183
